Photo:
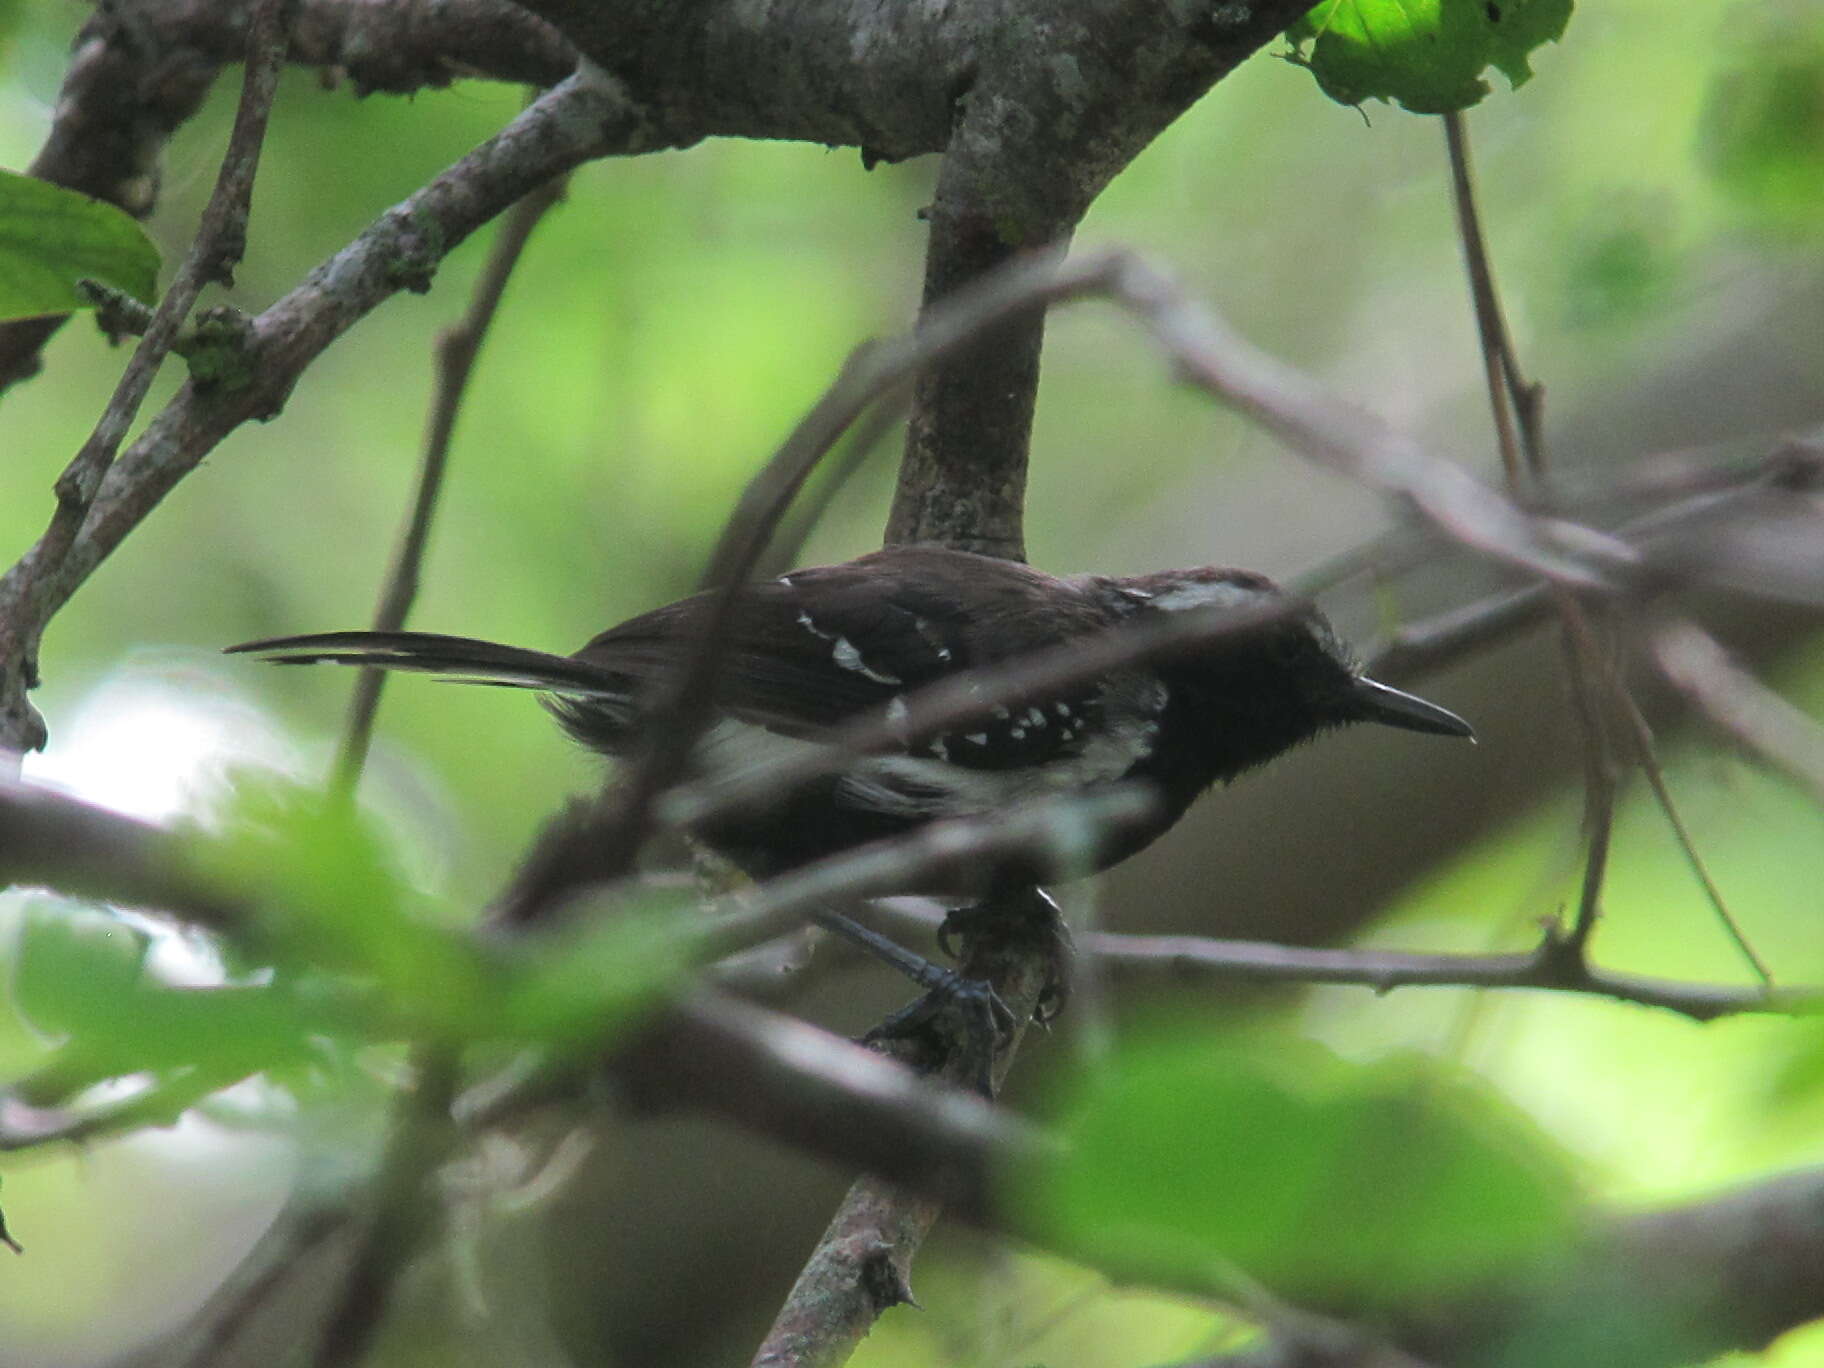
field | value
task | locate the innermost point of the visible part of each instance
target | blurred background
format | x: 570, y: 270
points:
x: 1655, y: 204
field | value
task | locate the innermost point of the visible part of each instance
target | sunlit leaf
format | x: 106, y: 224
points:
x: 1427, y: 55
x: 50, y: 238
x: 1363, y: 1185
x: 331, y: 898
x: 82, y: 977
x: 74, y: 968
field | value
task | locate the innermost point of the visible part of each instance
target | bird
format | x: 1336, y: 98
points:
x: 819, y: 647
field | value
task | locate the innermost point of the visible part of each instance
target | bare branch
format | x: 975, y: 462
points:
x: 1135, y: 959
x: 220, y: 241
x: 1522, y: 454
x: 50, y: 840
x: 1758, y: 719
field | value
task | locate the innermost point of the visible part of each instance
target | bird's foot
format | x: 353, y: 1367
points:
x: 1028, y: 910
x: 981, y: 1023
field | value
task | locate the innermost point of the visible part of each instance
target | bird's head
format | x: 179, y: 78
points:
x: 1271, y: 672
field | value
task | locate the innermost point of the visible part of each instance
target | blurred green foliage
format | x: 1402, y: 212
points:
x: 339, y: 954
x: 670, y: 322
x: 1376, y: 1186
x: 1763, y: 133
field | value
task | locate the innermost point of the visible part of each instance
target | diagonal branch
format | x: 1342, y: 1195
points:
x: 217, y: 249
x: 584, y: 117
x: 141, y: 71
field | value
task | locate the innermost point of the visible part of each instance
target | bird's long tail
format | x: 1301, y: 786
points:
x: 463, y: 659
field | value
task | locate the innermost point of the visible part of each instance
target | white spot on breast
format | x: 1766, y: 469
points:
x: 1034, y: 718
x: 897, y: 716
x: 1018, y: 733
x: 1000, y: 713
x: 977, y: 738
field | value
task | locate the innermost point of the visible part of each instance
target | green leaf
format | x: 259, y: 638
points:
x: 82, y: 976
x: 73, y: 965
x: 1349, y: 1185
x: 1427, y: 55
x: 50, y: 238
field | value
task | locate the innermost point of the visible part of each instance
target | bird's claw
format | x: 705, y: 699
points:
x: 984, y: 1023
x: 985, y: 918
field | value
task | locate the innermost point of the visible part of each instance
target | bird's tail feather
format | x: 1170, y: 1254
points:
x: 463, y: 659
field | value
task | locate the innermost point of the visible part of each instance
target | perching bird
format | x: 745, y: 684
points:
x: 818, y: 647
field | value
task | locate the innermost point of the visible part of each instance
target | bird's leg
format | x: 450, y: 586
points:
x: 1039, y: 909
x: 1000, y: 931
x: 986, y: 1018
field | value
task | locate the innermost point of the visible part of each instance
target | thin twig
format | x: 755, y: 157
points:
x: 1132, y: 959
x: 457, y: 348
x: 221, y: 240
x: 1491, y: 327
x: 1586, y: 650
x: 26, y: 603
x: 1452, y: 636
x: 403, y: 1209
x: 1600, y: 783
x: 285, y: 1252
x: 786, y: 549
x: 1662, y: 794
x: 1054, y: 836
x: 1758, y: 719
x: 1582, y: 650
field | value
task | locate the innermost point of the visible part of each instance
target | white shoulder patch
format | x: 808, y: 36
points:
x: 1192, y: 594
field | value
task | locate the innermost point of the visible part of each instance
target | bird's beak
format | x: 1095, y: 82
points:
x: 1379, y: 703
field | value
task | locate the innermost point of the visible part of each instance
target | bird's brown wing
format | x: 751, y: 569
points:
x: 820, y: 646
